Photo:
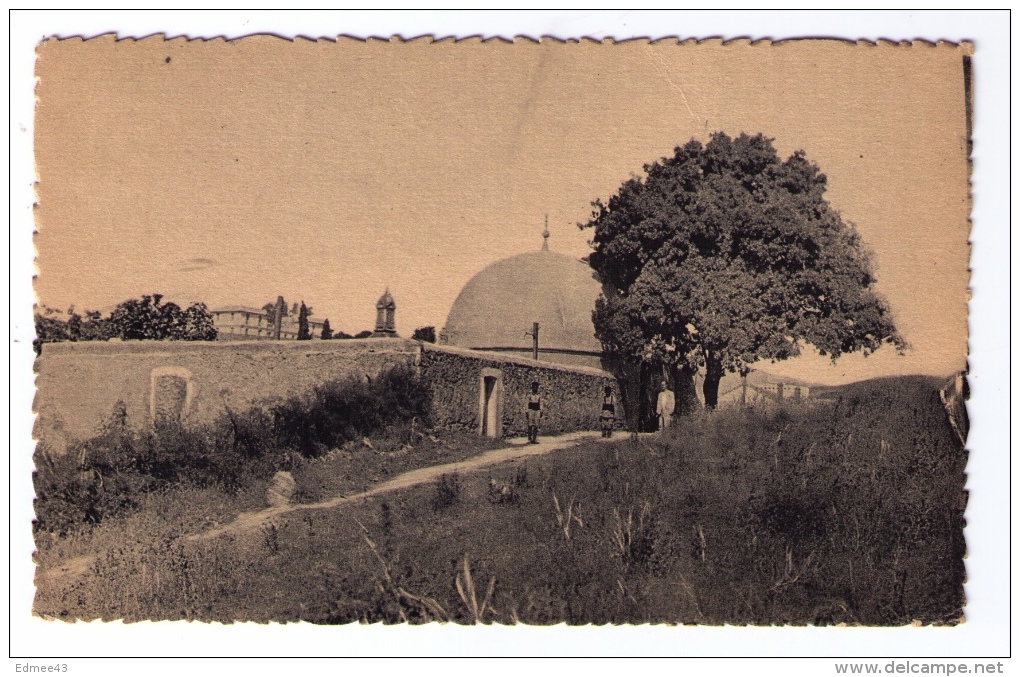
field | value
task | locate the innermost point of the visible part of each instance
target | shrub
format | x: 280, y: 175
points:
x: 107, y: 473
x: 447, y: 492
x: 847, y: 511
x: 339, y: 411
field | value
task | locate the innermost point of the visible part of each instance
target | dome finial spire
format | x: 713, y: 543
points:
x: 545, y: 235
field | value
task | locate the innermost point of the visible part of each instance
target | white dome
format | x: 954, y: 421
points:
x: 496, y: 308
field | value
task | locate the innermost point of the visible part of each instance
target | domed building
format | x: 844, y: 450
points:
x: 480, y: 381
x: 497, y: 309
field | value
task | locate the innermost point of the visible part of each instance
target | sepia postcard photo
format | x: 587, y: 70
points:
x: 509, y: 332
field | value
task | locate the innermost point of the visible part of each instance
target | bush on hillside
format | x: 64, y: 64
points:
x: 339, y: 411
x: 844, y: 511
x: 107, y: 473
x: 847, y: 511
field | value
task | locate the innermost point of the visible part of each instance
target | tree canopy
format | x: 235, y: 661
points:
x: 270, y: 309
x: 150, y: 318
x: 724, y: 255
x: 144, y: 318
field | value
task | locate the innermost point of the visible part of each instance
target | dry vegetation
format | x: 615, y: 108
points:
x: 115, y: 472
x: 846, y: 511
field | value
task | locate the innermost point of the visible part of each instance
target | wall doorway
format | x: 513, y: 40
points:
x: 170, y: 395
x: 490, y: 410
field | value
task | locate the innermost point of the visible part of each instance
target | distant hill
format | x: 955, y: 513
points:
x: 763, y: 384
x: 872, y: 385
x: 760, y: 377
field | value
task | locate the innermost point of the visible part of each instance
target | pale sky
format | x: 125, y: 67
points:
x: 232, y: 172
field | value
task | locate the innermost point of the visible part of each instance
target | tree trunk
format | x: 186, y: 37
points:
x: 713, y: 374
x: 630, y: 392
x: 651, y: 378
x: 686, y: 393
x: 628, y: 376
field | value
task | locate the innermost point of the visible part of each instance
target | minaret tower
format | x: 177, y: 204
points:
x: 385, y: 316
x: 545, y: 235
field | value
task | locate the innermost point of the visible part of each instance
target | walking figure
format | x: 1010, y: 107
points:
x: 534, y: 413
x: 608, y: 416
x: 664, y: 406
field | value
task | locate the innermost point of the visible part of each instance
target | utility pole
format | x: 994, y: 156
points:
x: 281, y: 307
x: 534, y: 340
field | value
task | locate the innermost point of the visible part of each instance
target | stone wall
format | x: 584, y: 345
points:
x: 79, y: 384
x: 572, y: 396
x: 546, y: 355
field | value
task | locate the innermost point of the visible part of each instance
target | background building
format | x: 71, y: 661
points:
x: 244, y: 323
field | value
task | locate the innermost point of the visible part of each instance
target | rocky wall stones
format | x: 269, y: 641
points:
x: 79, y: 384
x: 572, y: 396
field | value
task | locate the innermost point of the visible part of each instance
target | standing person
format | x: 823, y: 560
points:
x: 534, y: 413
x: 664, y: 406
x: 608, y: 416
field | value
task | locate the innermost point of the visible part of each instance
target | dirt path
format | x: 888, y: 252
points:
x: 68, y: 568
x: 519, y: 449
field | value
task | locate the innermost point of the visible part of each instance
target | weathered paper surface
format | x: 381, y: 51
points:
x: 234, y: 172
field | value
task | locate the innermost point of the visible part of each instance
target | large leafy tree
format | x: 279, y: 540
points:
x: 724, y: 255
x: 150, y: 318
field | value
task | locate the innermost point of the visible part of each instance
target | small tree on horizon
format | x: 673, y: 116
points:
x: 90, y: 327
x: 426, y: 334
x: 198, y: 323
x: 327, y: 331
x: 270, y: 309
x: 303, y: 332
x: 724, y: 255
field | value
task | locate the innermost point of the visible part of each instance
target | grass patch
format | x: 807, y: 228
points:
x: 845, y: 511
